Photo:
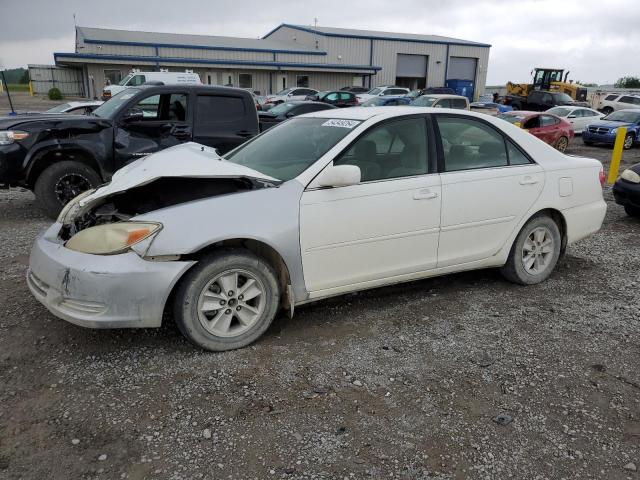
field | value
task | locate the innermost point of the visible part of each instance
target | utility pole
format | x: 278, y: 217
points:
x: 13, y: 112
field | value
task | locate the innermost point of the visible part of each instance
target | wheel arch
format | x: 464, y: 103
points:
x: 47, y: 155
x: 558, y: 218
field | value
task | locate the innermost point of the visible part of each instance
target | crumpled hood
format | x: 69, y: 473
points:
x: 188, y: 160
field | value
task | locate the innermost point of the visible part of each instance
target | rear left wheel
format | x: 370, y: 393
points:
x: 534, y: 253
x: 562, y: 143
x: 227, y: 301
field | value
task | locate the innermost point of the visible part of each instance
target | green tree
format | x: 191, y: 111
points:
x: 628, y: 82
x: 25, y: 77
x: 587, y: 84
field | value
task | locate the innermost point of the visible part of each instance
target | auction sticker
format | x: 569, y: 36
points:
x: 334, y: 122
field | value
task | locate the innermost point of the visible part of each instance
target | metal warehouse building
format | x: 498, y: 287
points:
x: 290, y: 55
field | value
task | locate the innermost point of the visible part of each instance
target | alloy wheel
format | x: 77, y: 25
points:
x: 537, y: 251
x: 231, y: 303
x: 562, y: 144
x: 69, y: 186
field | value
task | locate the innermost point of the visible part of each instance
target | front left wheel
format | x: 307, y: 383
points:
x: 227, y: 301
x: 534, y: 253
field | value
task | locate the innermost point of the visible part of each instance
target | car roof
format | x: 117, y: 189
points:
x: 443, y: 95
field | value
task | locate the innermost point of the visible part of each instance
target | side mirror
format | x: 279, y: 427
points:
x: 133, y: 115
x: 339, y: 176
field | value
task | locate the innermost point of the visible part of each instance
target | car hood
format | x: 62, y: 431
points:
x: 188, y: 160
x: 14, y: 121
x: 610, y: 124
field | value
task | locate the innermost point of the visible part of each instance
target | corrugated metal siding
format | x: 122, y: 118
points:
x: 385, y: 55
x: 117, y: 50
x: 349, y: 51
x: 482, y: 54
x: 67, y: 80
x: 214, y: 54
x: 310, y: 40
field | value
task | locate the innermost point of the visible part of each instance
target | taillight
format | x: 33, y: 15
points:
x: 602, y: 177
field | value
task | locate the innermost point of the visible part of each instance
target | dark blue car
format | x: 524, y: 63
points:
x: 386, y: 101
x: 605, y: 129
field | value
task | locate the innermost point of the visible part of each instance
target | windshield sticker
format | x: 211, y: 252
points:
x: 334, y: 122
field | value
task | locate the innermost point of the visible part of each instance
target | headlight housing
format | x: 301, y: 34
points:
x: 7, y: 137
x: 613, y: 131
x: 630, y: 176
x: 70, y: 209
x: 112, y: 238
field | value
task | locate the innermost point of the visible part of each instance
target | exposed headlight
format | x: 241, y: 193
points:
x: 69, y: 211
x: 613, y: 132
x: 630, y: 176
x: 112, y: 238
x: 7, y: 137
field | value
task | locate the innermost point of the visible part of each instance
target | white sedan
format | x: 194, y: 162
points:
x: 320, y: 205
x: 578, y: 117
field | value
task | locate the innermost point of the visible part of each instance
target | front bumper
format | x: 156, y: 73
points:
x: 100, y: 291
x: 626, y: 193
x: 588, y: 136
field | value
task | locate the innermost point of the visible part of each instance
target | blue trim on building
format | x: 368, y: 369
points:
x: 373, y: 37
x: 159, y: 60
x: 202, y: 47
x: 446, y: 65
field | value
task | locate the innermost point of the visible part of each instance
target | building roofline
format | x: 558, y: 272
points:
x: 376, y: 37
x: 249, y: 63
x: 202, y: 47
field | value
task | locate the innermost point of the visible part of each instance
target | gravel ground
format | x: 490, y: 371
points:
x: 404, y: 382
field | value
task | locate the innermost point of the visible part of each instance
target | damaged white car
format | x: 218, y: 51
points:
x: 323, y: 204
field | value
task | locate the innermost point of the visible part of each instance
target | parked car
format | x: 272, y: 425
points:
x: 437, y: 91
x: 539, y: 101
x: 617, y: 101
x: 291, y: 94
x: 578, y: 117
x: 605, y: 129
x: 355, y: 89
x: 386, y: 101
x: 60, y: 156
x: 383, y: 90
x: 490, y: 108
x: 136, y: 79
x: 626, y: 190
x: 549, y: 128
x: 337, y: 99
x: 441, y: 101
x: 309, y: 210
x: 283, y: 111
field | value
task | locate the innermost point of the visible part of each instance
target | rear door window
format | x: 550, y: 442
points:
x: 611, y: 97
x: 215, y: 110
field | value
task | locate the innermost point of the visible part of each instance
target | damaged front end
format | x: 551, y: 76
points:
x: 175, y: 176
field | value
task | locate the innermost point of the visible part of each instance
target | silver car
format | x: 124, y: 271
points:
x: 320, y: 205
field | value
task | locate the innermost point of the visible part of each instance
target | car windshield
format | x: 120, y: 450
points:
x: 373, y: 102
x: 111, y: 106
x: 424, y: 101
x: 284, y: 92
x: 563, y: 97
x: 375, y: 91
x: 560, y: 111
x: 124, y: 81
x: 622, y: 116
x: 59, y: 108
x: 512, y: 118
x: 282, y: 108
x: 288, y: 149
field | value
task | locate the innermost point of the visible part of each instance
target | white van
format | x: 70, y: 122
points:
x: 138, y: 78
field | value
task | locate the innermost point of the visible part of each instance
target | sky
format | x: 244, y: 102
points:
x: 598, y: 41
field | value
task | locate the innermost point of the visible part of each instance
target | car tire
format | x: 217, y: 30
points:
x: 225, y: 328
x: 61, y: 182
x: 607, y: 110
x: 540, y: 233
x: 632, y: 211
x: 628, y: 141
x: 561, y: 144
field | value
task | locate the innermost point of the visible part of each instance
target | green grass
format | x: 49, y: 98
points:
x: 18, y: 87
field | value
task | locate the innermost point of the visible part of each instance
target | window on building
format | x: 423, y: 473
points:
x: 245, y: 80
x: 302, y: 81
x: 112, y: 77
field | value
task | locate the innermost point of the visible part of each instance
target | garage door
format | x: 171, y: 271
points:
x: 462, y: 68
x: 411, y: 66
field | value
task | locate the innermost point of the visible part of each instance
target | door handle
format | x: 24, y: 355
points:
x: 425, y: 195
x: 529, y: 181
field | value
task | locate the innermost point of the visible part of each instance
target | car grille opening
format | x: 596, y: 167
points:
x: 599, y: 130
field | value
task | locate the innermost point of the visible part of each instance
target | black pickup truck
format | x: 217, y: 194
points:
x: 60, y: 156
x: 539, y: 101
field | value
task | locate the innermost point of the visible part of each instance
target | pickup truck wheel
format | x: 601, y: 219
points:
x: 227, y: 301
x: 534, y: 253
x: 61, y: 182
x: 561, y: 144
